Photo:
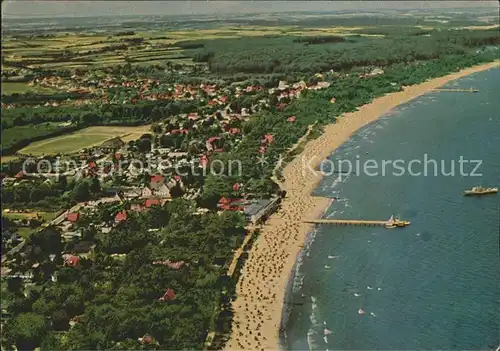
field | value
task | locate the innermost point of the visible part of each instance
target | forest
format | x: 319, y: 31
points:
x: 113, y: 298
x: 279, y: 54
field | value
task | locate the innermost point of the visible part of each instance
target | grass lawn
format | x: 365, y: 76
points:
x: 84, y: 138
x: 25, y: 232
x: 15, y: 87
x: 6, y: 159
x: 46, y: 216
x: 9, y: 88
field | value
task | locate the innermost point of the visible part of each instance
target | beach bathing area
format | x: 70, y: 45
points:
x: 261, y: 289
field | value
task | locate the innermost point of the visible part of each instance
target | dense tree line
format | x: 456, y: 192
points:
x: 30, y: 98
x: 288, y: 54
x: 54, y: 195
x: 320, y: 39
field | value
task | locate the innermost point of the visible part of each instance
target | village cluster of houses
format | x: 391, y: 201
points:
x: 163, y: 180
x: 154, y: 90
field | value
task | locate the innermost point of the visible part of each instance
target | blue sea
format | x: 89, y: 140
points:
x: 434, y: 284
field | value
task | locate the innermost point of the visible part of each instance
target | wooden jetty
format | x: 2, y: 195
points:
x: 345, y: 222
x: 390, y: 223
x: 457, y: 90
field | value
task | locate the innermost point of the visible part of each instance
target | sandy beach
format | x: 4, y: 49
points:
x: 261, y: 288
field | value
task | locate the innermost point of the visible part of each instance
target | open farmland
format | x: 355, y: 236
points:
x: 9, y: 88
x: 84, y: 138
x: 72, y: 50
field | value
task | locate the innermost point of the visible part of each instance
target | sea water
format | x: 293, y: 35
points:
x: 434, y: 284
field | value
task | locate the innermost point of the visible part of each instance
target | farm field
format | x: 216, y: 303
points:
x: 10, y: 158
x: 45, y: 216
x: 86, y: 50
x: 81, y: 139
x: 9, y: 88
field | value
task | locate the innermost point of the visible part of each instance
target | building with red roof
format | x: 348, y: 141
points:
x: 291, y: 119
x: 72, y: 261
x: 268, y: 138
x: 72, y: 216
x: 121, y: 216
x: 152, y: 202
x: 203, y: 160
x: 157, y: 179
x: 224, y: 200
x: 146, y: 339
x: 171, y: 264
x: 212, y: 139
x: 210, y: 142
x: 169, y: 295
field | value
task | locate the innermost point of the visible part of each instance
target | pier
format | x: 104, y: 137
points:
x: 346, y: 222
x: 457, y: 90
x: 391, y: 223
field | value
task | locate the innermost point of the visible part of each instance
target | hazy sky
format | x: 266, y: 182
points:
x: 70, y: 8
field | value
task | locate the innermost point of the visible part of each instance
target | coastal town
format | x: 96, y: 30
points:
x: 155, y: 193
x: 115, y: 181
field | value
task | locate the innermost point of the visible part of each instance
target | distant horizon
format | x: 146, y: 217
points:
x: 84, y: 9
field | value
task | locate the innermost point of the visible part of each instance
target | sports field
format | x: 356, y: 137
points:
x: 81, y: 139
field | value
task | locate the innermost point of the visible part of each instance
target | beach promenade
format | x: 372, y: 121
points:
x: 261, y: 288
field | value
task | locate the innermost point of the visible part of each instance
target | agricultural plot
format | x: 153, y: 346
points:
x: 9, y: 88
x: 86, y: 50
x: 84, y: 138
x: 44, y: 216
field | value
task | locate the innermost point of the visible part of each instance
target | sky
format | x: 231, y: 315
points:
x: 71, y: 8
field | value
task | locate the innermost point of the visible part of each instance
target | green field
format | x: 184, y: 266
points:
x: 84, y: 138
x: 6, y: 159
x: 9, y: 88
x: 45, y: 216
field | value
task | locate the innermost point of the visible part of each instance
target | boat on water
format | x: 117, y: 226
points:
x: 479, y: 190
x: 396, y: 222
x: 401, y: 223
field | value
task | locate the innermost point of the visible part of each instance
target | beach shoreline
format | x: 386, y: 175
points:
x: 265, y: 278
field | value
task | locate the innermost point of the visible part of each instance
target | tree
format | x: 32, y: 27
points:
x: 155, y: 127
x: 214, y: 188
x: 95, y: 185
x: 63, y: 182
x: 60, y: 320
x: 27, y: 331
x: 143, y: 145
x: 15, y: 285
x: 81, y: 192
